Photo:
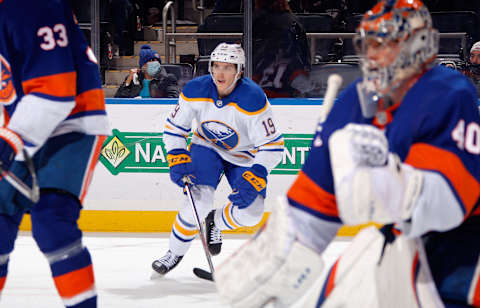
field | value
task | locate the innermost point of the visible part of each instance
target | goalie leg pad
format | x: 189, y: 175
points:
x: 352, y: 283
x: 368, y: 276
x: 403, y: 276
x: 271, y: 267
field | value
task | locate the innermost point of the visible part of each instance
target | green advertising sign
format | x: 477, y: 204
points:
x: 145, y: 152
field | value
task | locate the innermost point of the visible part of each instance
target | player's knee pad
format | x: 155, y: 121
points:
x: 54, y: 220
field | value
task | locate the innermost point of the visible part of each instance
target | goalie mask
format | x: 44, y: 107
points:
x: 228, y: 53
x: 404, y: 26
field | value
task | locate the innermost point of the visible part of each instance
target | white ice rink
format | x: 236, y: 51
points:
x: 122, y: 264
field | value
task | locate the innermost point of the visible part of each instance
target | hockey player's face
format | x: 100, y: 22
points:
x: 224, y: 74
x: 382, y: 54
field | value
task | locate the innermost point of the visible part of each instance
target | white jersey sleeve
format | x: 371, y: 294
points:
x: 178, y: 125
x: 267, y: 139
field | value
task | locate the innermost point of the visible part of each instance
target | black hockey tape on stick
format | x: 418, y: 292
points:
x: 32, y: 193
x: 200, y: 273
x: 334, y: 83
x: 201, y: 232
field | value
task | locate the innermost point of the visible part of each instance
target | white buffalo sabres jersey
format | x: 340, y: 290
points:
x: 239, y: 127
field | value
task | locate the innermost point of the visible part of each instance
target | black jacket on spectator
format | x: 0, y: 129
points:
x: 163, y: 85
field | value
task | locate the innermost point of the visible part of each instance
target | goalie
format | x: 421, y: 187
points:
x: 400, y: 147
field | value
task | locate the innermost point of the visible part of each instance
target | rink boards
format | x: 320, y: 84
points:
x: 131, y: 190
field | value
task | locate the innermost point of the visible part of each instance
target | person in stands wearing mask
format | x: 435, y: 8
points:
x: 150, y: 79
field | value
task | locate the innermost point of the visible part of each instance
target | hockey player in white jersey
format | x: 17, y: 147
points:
x: 235, y: 135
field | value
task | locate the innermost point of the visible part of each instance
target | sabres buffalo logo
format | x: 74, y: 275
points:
x: 221, y: 134
x: 7, y: 90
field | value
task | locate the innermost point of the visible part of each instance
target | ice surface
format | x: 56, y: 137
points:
x: 122, y: 264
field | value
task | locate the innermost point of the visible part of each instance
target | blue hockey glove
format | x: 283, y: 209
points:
x: 10, y: 145
x: 181, y: 166
x: 247, y: 187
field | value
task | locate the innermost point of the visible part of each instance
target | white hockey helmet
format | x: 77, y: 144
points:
x: 406, y: 22
x: 228, y: 53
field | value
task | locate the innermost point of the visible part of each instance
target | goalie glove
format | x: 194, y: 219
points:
x: 249, y: 185
x: 371, y: 184
x: 10, y: 145
x: 273, y: 267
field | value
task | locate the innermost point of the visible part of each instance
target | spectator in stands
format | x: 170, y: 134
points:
x: 473, y: 66
x: 150, y: 79
x: 281, y: 55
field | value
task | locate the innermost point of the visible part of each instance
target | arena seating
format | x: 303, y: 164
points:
x: 183, y: 72
x: 218, y: 23
x: 201, y: 67
x: 320, y: 72
x: 318, y: 23
x: 459, y: 21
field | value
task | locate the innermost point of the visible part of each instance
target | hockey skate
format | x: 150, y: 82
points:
x: 214, y: 235
x: 166, y: 263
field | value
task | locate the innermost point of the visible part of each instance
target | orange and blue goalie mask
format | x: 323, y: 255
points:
x: 401, y: 30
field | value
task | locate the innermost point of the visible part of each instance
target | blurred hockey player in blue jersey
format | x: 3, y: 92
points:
x: 55, y: 110
x: 400, y: 146
x: 236, y: 135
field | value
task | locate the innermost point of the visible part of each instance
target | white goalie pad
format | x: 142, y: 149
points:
x: 273, y: 267
x: 365, y: 278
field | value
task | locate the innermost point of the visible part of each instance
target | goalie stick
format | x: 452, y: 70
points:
x: 334, y: 83
x: 32, y: 193
x: 198, y: 271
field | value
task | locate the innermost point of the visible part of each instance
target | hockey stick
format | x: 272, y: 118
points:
x: 200, y: 273
x: 334, y: 83
x: 197, y: 271
x: 32, y: 193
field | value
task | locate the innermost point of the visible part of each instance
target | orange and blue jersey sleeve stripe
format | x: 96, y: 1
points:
x: 308, y: 196
x: 57, y: 87
x: 176, y: 130
x: 90, y: 102
x: 465, y: 186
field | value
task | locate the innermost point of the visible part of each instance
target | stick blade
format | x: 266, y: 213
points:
x: 200, y: 273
